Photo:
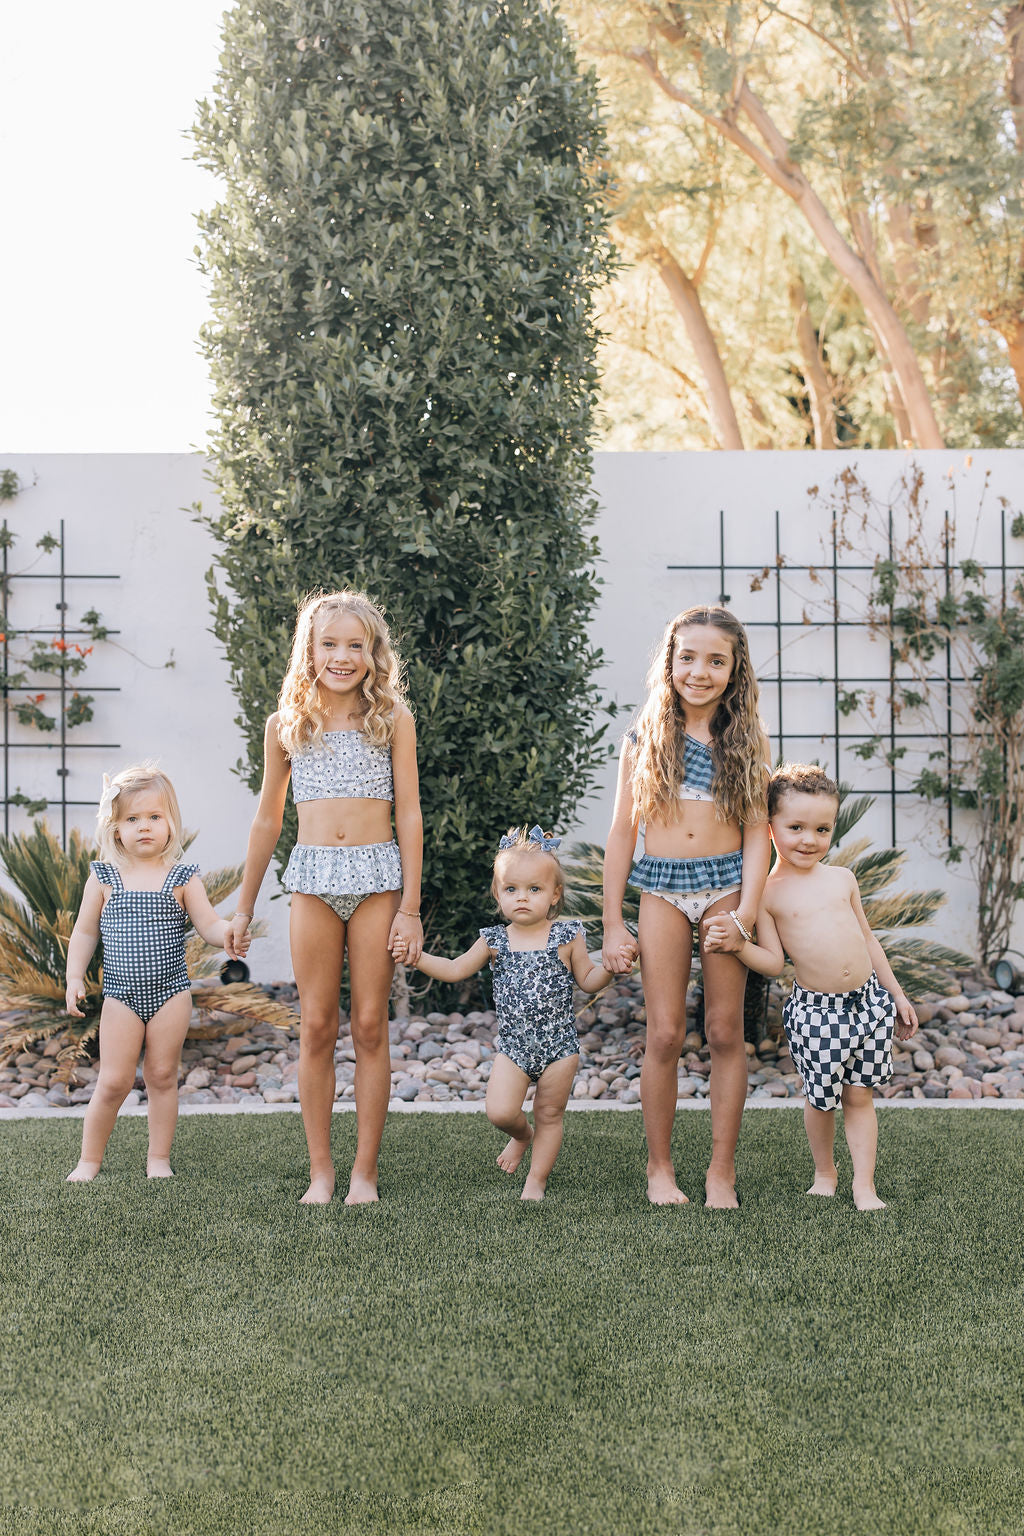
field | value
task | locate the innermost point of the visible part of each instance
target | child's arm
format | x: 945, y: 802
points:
x: 906, y: 1018
x: 205, y: 921
x: 757, y: 857
x: 589, y: 975
x: 459, y: 969
x: 84, y: 937
x: 619, y: 948
x: 407, y: 925
x: 767, y: 956
x: 263, y: 836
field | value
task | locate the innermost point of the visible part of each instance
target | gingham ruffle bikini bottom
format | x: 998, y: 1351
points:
x: 344, y: 876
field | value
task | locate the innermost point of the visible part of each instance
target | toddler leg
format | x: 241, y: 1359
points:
x: 820, y: 1125
x: 506, y: 1090
x: 165, y: 1036
x: 121, y: 1036
x: 861, y: 1126
x: 553, y: 1089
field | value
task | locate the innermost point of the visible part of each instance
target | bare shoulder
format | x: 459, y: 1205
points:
x: 403, y: 717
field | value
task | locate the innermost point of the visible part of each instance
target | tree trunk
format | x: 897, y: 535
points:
x: 687, y: 301
x: 1010, y: 322
x: 823, y: 406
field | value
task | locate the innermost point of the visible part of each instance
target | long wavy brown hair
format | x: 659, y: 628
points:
x: 737, y: 746
x: 303, y: 706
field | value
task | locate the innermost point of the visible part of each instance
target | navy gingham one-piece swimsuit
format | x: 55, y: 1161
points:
x: 533, y: 999
x: 143, y: 940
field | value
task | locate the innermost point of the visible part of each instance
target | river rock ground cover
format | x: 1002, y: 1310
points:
x: 205, y: 1356
x: 970, y: 1046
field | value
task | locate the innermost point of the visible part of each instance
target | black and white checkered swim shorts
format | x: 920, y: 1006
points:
x: 840, y: 1037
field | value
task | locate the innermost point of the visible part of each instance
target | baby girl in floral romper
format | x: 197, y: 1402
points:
x: 535, y: 960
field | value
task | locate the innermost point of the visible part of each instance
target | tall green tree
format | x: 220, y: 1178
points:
x: 402, y: 345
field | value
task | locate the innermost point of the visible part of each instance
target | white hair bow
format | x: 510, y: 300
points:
x: 107, y: 799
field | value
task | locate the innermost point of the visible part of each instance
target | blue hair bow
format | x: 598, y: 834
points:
x: 535, y: 835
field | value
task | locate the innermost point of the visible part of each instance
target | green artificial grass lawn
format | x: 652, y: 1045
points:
x: 206, y: 1356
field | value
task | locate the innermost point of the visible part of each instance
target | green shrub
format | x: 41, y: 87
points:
x: 402, y: 348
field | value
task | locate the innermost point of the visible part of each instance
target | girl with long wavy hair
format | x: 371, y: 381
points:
x: 692, y: 777
x: 345, y: 737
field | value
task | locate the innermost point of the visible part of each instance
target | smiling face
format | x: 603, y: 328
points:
x: 802, y: 826
x: 143, y: 827
x: 526, y: 886
x: 702, y: 664
x: 340, y: 653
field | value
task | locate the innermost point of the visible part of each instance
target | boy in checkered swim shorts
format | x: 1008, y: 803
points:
x: 845, y: 1002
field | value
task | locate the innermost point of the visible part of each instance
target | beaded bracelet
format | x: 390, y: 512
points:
x: 741, y: 928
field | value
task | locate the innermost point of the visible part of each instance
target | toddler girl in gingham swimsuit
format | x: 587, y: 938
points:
x: 143, y: 940
x: 142, y: 921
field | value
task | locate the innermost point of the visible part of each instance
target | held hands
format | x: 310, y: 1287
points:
x: 74, y: 995
x: 405, y: 941
x: 723, y: 936
x: 236, y: 936
x: 620, y: 950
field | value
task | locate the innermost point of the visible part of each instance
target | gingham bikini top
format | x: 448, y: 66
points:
x: 698, y: 770
x: 345, y: 766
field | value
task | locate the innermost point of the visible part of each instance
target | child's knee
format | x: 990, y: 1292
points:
x: 159, y: 1079
x: 369, y: 1030
x: 723, y: 1029
x: 114, y: 1087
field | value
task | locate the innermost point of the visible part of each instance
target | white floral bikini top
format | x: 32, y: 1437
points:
x: 345, y: 766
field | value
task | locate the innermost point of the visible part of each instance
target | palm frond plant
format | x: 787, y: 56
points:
x: 919, y: 965
x: 34, y: 936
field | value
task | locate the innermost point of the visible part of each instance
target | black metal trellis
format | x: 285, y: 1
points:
x: 62, y: 576
x: 776, y: 678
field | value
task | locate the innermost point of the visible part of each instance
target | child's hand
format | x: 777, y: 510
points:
x: 405, y: 941
x: 619, y: 950
x: 906, y: 1018
x: 74, y: 995
x: 723, y: 935
x: 629, y: 954
x: 236, y: 937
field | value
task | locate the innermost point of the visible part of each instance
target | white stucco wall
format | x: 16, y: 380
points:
x: 128, y: 514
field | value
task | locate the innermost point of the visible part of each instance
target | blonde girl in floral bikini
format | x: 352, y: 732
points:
x: 693, y: 775
x: 345, y: 737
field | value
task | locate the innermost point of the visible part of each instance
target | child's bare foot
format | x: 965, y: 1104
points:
x: 662, y: 1189
x: 824, y: 1183
x: 361, y: 1190
x: 320, y: 1190
x: 83, y: 1173
x: 720, y: 1192
x: 513, y: 1152
x: 159, y: 1168
x: 533, y: 1189
x: 866, y: 1199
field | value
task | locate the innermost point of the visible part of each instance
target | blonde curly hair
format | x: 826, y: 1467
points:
x: 112, y: 809
x: 301, y: 704
x: 737, y: 747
